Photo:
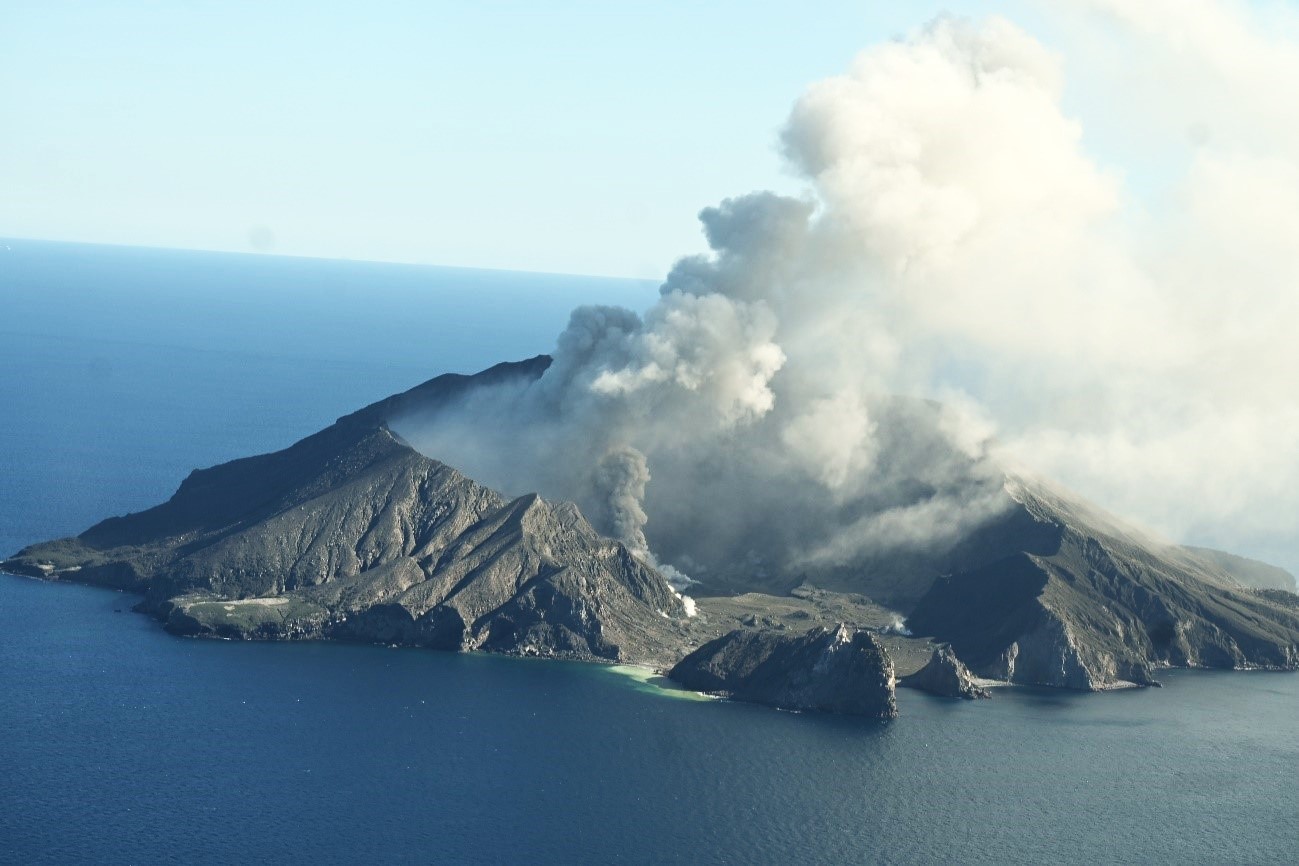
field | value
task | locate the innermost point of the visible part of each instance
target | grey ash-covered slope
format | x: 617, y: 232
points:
x: 1093, y: 604
x: 352, y: 534
x: 839, y: 669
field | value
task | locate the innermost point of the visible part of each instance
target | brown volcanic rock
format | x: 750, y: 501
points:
x: 837, y: 670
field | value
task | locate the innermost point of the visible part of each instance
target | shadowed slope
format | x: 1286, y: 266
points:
x: 1106, y: 605
x: 351, y: 533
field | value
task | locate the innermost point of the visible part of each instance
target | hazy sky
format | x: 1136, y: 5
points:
x: 1077, y: 223
x: 566, y: 136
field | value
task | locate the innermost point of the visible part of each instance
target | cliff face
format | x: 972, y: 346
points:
x: 1103, y: 606
x: 352, y: 534
x: 838, y: 670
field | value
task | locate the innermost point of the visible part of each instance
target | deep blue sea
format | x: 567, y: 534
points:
x: 122, y: 369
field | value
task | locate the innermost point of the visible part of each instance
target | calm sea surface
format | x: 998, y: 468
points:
x: 121, y: 370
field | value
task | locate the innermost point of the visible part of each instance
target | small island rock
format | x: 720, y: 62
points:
x: 837, y: 670
x: 946, y: 676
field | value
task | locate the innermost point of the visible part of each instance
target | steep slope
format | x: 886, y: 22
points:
x: 350, y: 533
x: 1249, y: 572
x: 1104, y: 606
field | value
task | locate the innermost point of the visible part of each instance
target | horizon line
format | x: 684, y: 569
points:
x: 363, y: 261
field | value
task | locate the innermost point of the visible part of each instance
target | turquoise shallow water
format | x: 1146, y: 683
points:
x: 122, y: 370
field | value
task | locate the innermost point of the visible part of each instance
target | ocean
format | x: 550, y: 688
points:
x: 123, y: 369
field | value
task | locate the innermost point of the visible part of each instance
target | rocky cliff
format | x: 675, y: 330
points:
x: 838, y: 670
x: 1101, y: 605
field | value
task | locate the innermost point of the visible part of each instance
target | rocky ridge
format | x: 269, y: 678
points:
x: 353, y: 534
x: 1100, y: 605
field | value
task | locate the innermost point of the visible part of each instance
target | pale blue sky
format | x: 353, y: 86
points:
x: 563, y: 136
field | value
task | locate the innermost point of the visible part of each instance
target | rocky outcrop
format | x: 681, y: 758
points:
x: 837, y: 670
x: 1104, y: 607
x: 945, y: 676
x: 352, y: 534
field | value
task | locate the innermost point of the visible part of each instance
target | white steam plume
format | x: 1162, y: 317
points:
x: 958, y: 242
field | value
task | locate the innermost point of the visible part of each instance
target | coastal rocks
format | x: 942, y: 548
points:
x: 353, y: 534
x: 1102, y: 607
x: 277, y: 618
x: 838, y: 670
x: 1052, y: 654
x: 945, y: 676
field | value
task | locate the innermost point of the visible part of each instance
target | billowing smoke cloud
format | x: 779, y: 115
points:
x: 957, y: 243
x: 620, y: 479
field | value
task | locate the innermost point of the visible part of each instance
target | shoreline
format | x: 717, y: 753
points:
x: 640, y: 674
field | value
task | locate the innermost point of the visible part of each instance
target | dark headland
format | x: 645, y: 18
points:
x: 352, y: 534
